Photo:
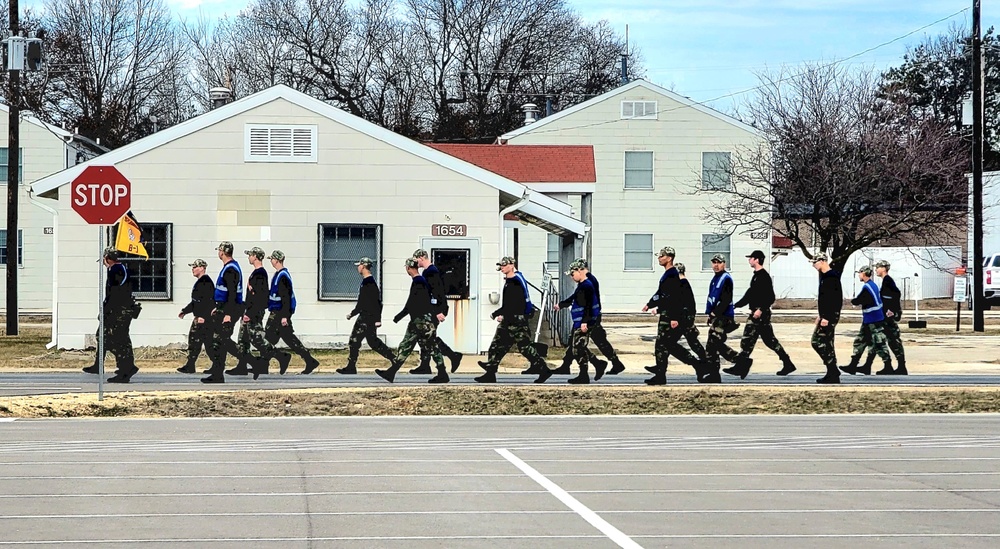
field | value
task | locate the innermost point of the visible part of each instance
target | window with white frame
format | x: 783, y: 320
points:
x: 553, y: 246
x: 3, y: 165
x: 716, y: 169
x: 638, y: 169
x: 151, y: 278
x: 20, y: 247
x: 340, y: 247
x: 638, y: 252
x: 280, y: 143
x: 641, y: 110
x: 712, y: 244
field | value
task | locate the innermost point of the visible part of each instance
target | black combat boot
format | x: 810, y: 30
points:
x: 424, y: 368
x: 544, y: 372
x: 283, y: 359
x: 786, y: 365
x: 741, y: 367
x: 187, y: 368
x: 349, y: 370
x: 489, y: 377
x: 599, y: 367
x: 390, y: 374
x: 441, y: 377
x: 901, y: 370
x: 616, y: 367
x: 241, y: 367
x: 885, y: 371
x: 456, y: 360
x: 564, y: 368
x: 852, y: 368
x: 582, y: 378
x: 311, y: 365
x: 832, y: 375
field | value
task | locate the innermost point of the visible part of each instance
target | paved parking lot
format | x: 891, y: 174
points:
x: 573, y: 482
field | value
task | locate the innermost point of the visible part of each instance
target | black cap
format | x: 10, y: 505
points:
x: 758, y: 255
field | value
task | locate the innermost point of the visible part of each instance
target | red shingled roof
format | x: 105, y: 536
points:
x: 529, y: 163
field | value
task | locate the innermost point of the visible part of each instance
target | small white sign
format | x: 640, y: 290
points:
x: 961, y: 287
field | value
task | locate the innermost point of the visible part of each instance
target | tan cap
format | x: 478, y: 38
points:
x: 198, y: 263
x: 277, y: 255
x: 256, y: 252
x: 225, y: 247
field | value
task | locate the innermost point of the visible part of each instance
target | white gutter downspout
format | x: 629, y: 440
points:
x: 55, y: 266
x: 525, y: 198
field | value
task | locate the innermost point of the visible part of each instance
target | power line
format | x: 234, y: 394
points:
x: 789, y: 77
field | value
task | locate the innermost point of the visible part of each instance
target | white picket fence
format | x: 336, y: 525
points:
x: 920, y: 272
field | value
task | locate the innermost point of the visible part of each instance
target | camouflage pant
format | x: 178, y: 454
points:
x: 716, y: 344
x: 274, y: 332
x: 364, y: 330
x: 871, y: 336
x: 200, y: 335
x: 443, y: 348
x: 760, y: 328
x: 510, y: 332
x: 222, y: 341
x: 423, y: 331
x: 893, y: 338
x: 822, y: 343
x: 252, y: 332
x: 117, y: 340
x: 580, y: 341
x: 600, y: 338
x: 691, y: 335
x: 667, y: 339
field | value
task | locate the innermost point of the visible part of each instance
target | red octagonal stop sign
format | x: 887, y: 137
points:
x: 101, y: 195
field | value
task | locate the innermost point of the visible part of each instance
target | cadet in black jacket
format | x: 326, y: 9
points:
x: 252, y: 326
x: 690, y: 313
x: 512, y: 316
x: 759, y: 296
x: 892, y: 307
x: 439, y: 300
x: 667, y: 301
x: 421, y: 330
x: 201, y: 306
x: 830, y: 302
x: 369, y: 313
x: 117, y: 306
x: 597, y: 333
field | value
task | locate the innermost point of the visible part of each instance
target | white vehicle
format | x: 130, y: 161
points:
x: 991, y: 280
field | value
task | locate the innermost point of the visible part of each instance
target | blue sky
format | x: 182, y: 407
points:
x: 707, y: 49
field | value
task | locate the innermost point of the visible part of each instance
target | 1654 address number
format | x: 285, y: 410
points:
x: 449, y: 230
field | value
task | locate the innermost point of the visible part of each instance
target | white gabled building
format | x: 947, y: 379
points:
x: 657, y: 155
x: 45, y: 149
x: 282, y: 170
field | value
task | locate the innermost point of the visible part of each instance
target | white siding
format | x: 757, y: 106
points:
x: 43, y: 154
x: 356, y: 179
x: 672, y: 211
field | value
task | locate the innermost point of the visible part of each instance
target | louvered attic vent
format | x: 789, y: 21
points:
x: 280, y: 143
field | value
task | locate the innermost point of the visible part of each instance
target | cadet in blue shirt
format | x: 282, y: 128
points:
x: 871, y: 335
x: 281, y: 304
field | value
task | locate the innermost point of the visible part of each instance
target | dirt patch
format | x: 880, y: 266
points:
x: 509, y: 401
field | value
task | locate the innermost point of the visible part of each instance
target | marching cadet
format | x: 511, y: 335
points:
x: 513, y: 315
x: 870, y: 336
x: 596, y: 330
x: 118, y: 313
x: 228, y: 307
x: 667, y: 301
x: 439, y: 301
x: 281, y: 307
x: 892, y: 307
x: 830, y: 302
x: 252, y: 326
x: 584, y: 312
x: 421, y: 329
x: 201, y: 305
x: 759, y: 296
x: 369, y: 313
x: 721, y: 321
x: 691, y: 333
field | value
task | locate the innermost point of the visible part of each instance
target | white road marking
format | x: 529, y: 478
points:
x: 500, y: 475
x: 7, y: 419
x: 591, y: 517
x: 228, y: 462
x: 297, y: 539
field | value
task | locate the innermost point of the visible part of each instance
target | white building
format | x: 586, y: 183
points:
x: 657, y: 156
x: 45, y: 150
x: 282, y: 170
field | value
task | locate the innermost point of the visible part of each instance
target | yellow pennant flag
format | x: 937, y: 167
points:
x: 130, y: 236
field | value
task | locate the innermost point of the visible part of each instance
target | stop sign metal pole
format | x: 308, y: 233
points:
x: 100, y: 318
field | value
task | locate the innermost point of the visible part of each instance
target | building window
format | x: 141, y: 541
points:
x: 712, y: 244
x: 553, y: 246
x: 638, y: 252
x: 642, y: 110
x: 151, y: 279
x: 3, y: 166
x: 716, y: 170
x: 20, y: 247
x: 280, y: 143
x: 638, y: 169
x: 340, y: 247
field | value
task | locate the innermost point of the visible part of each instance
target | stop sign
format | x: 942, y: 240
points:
x: 101, y: 195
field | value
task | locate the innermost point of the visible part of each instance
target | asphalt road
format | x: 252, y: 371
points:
x: 503, y: 482
x: 52, y: 382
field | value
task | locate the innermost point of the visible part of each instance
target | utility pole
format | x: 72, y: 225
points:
x: 978, y: 320
x: 13, y: 160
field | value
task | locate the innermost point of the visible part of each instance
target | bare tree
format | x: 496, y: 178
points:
x: 113, y: 64
x: 838, y: 169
